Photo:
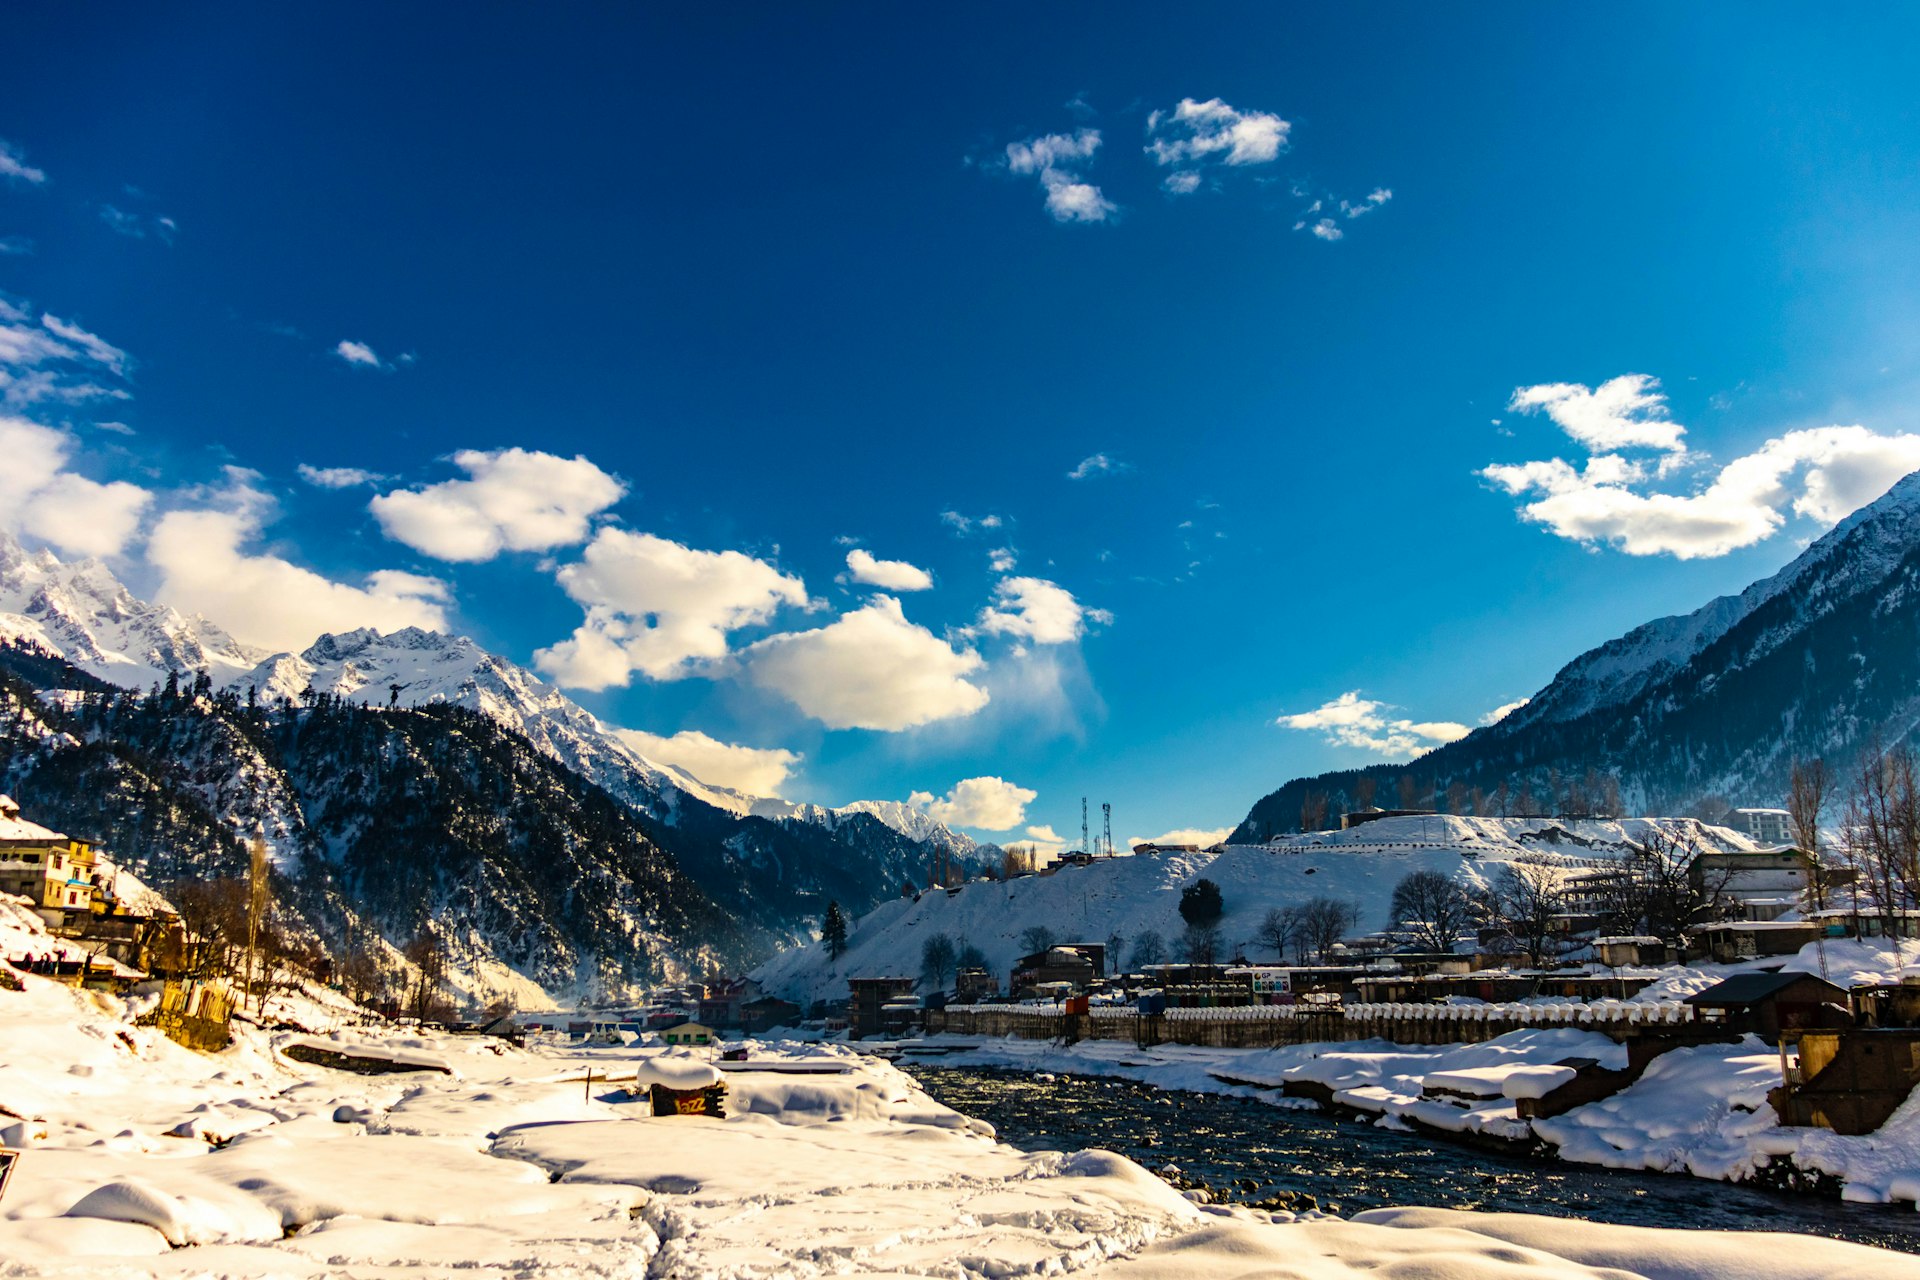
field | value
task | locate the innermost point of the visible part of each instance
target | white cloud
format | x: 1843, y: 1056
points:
x: 1002, y: 559
x: 1501, y: 712
x: 338, y: 477
x: 869, y: 669
x: 512, y: 500
x: 1327, y: 229
x: 753, y: 771
x: 14, y: 166
x: 1196, y: 132
x: 1352, y: 721
x: 139, y: 226
x: 39, y: 496
x: 1819, y: 473
x: 14, y: 246
x: 1057, y: 160
x: 660, y: 608
x: 53, y: 360
x: 1099, y: 464
x: 1627, y: 412
x: 964, y: 525
x: 894, y: 575
x: 989, y: 804
x: 1205, y: 837
x: 1181, y: 182
x: 1037, y: 610
x: 358, y: 353
x: 263, y: 599
x: 1044, y: 841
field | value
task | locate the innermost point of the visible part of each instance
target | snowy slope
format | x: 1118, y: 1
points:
x: 1820, y: 659
x: 1857, y: 553
x: 1130, y: 896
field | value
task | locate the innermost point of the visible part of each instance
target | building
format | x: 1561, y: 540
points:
x: 689, y: 1033
x: 1770, y: 1003
x: 766, y: 1013
x: 57, y: 872
x: 1360, y: 817
x: 1729, y: 941
x: 724, y: 1000
x: 1758, y: 885
x: 1763, y: 826
x: 1078, y: 964
x: 867, y: 997
x: 971, y: 986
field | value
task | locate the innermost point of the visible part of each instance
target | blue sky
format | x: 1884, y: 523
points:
x: 801, y: 285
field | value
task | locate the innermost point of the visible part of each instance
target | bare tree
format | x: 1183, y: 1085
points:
x: 1323, y: 922
x: 1807, y: 789
x: 1409, y: 791
x: 1201, y: 944
x: 1148, y: 949
x: 1457, y: 797
x: 1432, y: 907
x: 937, y: 959
x: 1525, y: 899
x: 1883, y: 834
x: 1035, y: 938
x: 1313, y: 811
x: 1657, y: 893
x: 1364, y: 788
x: 1278, y: 930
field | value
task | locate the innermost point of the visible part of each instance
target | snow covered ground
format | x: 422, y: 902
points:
x: 1132, y: 895
x: 141, y: 1158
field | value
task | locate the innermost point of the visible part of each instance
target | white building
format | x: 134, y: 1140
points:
x: 1765, y: 826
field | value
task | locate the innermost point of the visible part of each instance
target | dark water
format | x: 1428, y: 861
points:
x: 1349, y: 1165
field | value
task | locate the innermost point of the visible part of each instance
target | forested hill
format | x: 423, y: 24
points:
x: 1696, y: 712
x: 397, y: 817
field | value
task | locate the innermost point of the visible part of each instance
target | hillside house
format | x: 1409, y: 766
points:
x: 689, y: 1033
x: 58, y: 873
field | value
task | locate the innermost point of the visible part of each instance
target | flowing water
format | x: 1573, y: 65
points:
x: 1245, y: 1150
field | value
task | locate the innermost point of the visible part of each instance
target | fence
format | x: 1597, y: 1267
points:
x: 1269, y: 1026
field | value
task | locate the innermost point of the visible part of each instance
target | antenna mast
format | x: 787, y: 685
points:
x: 1106, y: 827
x: 1086, y: 841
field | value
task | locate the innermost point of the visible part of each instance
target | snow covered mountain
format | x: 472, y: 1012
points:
x: 1820, y: 659
x: 82, y: 613
x: 777, y: 861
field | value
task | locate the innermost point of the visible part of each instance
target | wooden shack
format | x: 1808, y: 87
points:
x: 1768, y: 1004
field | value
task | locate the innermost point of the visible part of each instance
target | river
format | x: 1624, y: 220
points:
x: 1245, y: 1150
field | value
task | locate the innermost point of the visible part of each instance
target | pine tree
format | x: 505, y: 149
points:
x: 833, y: 931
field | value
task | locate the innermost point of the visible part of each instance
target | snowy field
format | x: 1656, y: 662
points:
x: 141, y: 1158
x: 1133, y: 895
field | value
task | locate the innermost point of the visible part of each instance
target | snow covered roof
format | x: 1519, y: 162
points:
x: 15, y: 827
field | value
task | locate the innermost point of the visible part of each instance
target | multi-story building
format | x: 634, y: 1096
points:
x: 58, y: 873
x: 1766, y: 827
